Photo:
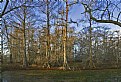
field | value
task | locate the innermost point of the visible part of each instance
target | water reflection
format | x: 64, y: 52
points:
x: 12, y: 77
x: 35, y: 79
x: 4, y: 80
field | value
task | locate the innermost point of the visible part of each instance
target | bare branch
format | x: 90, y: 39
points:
x: 101, y: 20
x: 5, y: 7
x: 106, y: 21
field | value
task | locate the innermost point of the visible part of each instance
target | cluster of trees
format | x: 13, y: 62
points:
x: 40, y: 32
x: 104, y: 49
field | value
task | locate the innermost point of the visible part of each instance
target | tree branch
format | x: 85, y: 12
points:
x: 106, y: 21
x: 12, y: 9
x: 88, y: 10
x: 5, y: 7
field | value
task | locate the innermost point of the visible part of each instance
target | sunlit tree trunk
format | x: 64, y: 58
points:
x: 65, y: 63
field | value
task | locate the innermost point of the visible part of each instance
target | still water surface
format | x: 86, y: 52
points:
x: 22, y: 77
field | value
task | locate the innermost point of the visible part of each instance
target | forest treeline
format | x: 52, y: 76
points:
x: 43, y: 34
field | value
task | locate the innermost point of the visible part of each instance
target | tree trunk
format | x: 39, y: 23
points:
x: 91, y: 63
x: 46, y: 64
x: 25, y: 64
x: 1, y: 48
x: 65, y: 63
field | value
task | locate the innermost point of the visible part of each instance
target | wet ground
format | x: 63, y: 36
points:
x: 62, y: 76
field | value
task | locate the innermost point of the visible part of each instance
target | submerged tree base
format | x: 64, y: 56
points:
x: 66, y: 67
x: 46, y: 65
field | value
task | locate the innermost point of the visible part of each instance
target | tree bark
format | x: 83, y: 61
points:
x: 65, y: 63
x: 25, y: 64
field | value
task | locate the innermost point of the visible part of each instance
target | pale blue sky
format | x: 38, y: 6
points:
x: 75, y: 14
